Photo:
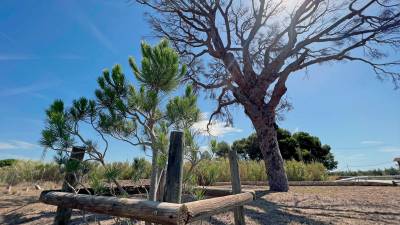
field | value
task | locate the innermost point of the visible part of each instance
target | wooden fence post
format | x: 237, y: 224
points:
x: 173, y: 187
x: 63, y: 215
x: 236, y: 186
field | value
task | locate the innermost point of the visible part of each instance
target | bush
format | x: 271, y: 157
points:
x: 7, y: 162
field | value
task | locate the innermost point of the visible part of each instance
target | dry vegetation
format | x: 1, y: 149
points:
x: 301, y: 205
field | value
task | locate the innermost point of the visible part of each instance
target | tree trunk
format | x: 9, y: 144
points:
x: 154, y: 176
x: 71, y: 180
x: 264, y: 123
x: 161, y: 184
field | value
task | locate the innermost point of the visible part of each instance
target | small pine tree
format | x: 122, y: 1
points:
x: 136, y: 114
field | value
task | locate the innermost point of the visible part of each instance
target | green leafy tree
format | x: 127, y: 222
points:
x: 300, y: 146
x: 138, y: 115
x: 221, y: 149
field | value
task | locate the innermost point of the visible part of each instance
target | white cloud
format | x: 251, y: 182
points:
x: 216, y: 128
x: 69, y: 56
x: 26, y: 89
x: 371, y: 142
x: 17, y: 144
x: 390, y: 149
x: 8, y: 57
x: 204, y: 148
x: 5, y: 145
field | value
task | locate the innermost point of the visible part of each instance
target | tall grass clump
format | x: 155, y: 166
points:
x: 208, y: 172
x: 13, y: 172
x: 138, y: 169
x: 29, y: 171
x: 300, y: 171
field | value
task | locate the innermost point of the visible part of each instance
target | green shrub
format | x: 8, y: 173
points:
x: 7, y: 162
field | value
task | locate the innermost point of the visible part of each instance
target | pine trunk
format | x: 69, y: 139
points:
x: 264, y: 123
x: 154, y: 177
x: 161, y: 184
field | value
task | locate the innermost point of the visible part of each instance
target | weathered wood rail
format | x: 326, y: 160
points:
x: 150, y: 211
x: 312, y: 183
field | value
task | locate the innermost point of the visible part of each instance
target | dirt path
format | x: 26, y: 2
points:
x: 301, y: 205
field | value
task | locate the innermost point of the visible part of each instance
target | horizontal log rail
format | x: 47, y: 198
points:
x: 220, y: 191
x: 156, y: 212
x: 198, y: 210
x: 150, y: 211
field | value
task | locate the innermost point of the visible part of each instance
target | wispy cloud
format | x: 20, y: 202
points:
x: 389, y: 149
x: 87, y: 23
x: 22, y: 57
x: 9, y: 57
x: 371, y: 142
x: 216, y: 128
x: 69, y: 56
x: 31, y: 88
x: 17, y: 144
x: 99, y: 35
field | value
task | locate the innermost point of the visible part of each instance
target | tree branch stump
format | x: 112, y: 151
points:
x: 71, y: 180
x: 236, y: 186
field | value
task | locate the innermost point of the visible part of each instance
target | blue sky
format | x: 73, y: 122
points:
x: 57, y: 49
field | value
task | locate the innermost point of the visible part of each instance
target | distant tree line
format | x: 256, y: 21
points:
x: 299, y: 146
x: 373, y: 172
x: 7, y: 162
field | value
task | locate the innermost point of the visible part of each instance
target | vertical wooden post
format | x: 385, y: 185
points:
x: 63, y: 215
x: 236, y: 186
x: 173, y: 187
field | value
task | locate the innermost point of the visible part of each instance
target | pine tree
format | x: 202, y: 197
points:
x: 137, y: 116
x: 124, y: 112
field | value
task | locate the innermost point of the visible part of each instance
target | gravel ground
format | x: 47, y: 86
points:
x: 301, y: 205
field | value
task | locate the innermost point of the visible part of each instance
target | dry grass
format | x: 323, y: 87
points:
x: 301, y: 205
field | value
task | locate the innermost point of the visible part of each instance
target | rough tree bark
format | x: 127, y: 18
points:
x: 63, y: 215
x: 154, y: 177
x: 264, y: 124
x: 161, y: 184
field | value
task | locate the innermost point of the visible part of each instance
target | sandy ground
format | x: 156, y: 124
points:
x: 301, y: 205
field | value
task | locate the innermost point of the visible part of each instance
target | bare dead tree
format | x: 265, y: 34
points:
x: 252, y: 47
